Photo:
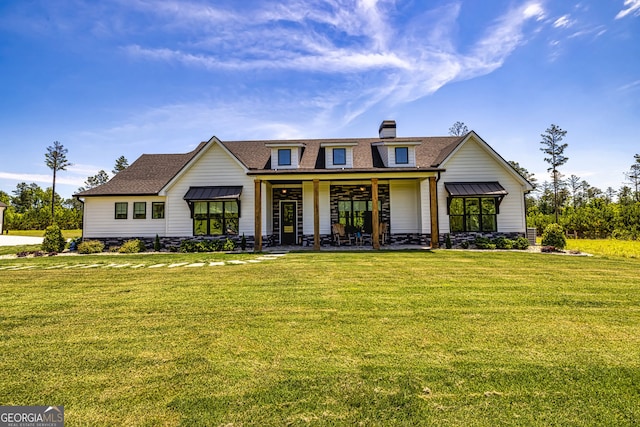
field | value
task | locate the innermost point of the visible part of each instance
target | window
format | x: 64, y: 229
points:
x: 339, y: 156
x: 473, y: 214
x: 121, y: 210
x: 284, y: 157
x: 157, y: 210
x: 215, y: 218
x: 356, y: 215
x: 139, y: 210
x: 402, y: 155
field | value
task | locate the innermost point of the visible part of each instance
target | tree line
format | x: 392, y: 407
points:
x: 584, y: 211
x: 31, y: 207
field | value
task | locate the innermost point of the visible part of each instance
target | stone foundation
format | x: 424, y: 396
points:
x: 459, y: 240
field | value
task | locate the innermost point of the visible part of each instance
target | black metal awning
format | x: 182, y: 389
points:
x: 470, y: 189
x: 213, y: 193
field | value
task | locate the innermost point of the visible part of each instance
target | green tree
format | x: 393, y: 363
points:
x: 56, y: 160
x: 633, y: 177
x: 552, y: 147
x: 93, y: 181
x: 121, y: 164
x: 458, y: 129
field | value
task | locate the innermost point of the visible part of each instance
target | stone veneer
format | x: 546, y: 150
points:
x: 457, y: 239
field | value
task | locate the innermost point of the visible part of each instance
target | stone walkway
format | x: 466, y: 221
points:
x: 69, y: 265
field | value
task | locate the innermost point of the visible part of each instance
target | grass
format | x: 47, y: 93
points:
x: 67, y: 234
x: 404, y: 338
x: 607, y: 247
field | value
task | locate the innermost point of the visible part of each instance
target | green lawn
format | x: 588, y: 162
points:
x: 607, y: 247
x: 369, y: 338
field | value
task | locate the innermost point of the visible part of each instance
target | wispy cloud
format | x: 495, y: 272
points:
x: 562, y: 22
x: 40, y: 178
x: 630, y: 86
x: 632, y: 7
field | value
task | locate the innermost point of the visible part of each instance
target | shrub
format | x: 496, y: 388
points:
x: 243, y: 243
x: 156, y: 244
x: 132, y: 247
x: 447, y: 241
x: 207, y: 245
x: 553, y: 235
x: 503, y: 243
x: 90, y: 247
x: 484, y: 243
x: 53, y: 240
x: 521, y: 243
x: 73, y: 244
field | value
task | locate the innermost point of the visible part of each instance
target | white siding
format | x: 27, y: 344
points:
x: 307, y: 208
x: 472, y: 163
x: 215, y: 167
x: 425, y: 207
x: 99, y: 218
x: 405, y: 206
x: 328, y: 158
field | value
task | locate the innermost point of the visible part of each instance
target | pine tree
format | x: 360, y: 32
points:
x: 551, y: 146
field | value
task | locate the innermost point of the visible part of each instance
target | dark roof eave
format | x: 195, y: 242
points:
x: 115, y: 194
x: 339, y: 171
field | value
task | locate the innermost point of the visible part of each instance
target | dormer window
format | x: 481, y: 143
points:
x: 397, y: 153
x: 402, y: 155
x: 339, y: 154
x: 284, y: 157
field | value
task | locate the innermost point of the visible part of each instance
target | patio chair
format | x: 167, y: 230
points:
x: 383, y: 232
x: 339, y: 234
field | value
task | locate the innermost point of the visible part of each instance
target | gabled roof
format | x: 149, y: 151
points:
x: 256, y: 156
x: 146, y: 176
x: 151, y: 173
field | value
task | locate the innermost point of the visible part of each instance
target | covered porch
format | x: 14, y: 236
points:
x: 347, y: 212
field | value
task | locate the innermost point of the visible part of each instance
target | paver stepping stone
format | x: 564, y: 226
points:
x: 196, y: 264
x: 157, y: 265
x: 235, y: 261
x: 178, y: 264
x: 214, y: 263
x: 121, y: 265
x: 255, y: 260
x: 24, y: 267
x: 55, y: 267
x: 137, y: 266
x: 74, y: 266
x: 92, y: 266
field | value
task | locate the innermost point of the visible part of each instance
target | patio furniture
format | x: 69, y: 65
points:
x: 339, y: 234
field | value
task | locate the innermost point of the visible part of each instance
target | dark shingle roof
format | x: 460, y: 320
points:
x: 255, y: 155
x: 151, y: 172
x: 147, y: 175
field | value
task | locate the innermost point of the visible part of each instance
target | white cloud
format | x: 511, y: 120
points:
x: 632, y: 7
x: 563, y: 22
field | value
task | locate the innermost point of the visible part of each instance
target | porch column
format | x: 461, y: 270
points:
x: 375, y: 215
x: 433, y: 206
x: 258, y: 216
x: 316, y: 214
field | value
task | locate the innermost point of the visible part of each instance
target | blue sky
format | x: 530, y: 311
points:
x: 127, y: 77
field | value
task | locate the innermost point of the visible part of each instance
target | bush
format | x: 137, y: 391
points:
x: 447, y: 241
x: 53, y: 240
x: 207, y: 245
x: 73, y: 244
x: 156, y: 244
x: 521, y: 243
x: 132, y: 247
x: 90, y: 247
x: 484, y: 243
x: 503, y: 243
x: 553, y: 235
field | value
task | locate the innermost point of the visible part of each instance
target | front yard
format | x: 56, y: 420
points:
x: 371, y: 338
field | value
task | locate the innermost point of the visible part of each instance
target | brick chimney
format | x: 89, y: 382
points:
x: 387, y: 129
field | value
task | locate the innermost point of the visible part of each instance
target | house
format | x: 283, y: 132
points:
x: 292, y: 192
